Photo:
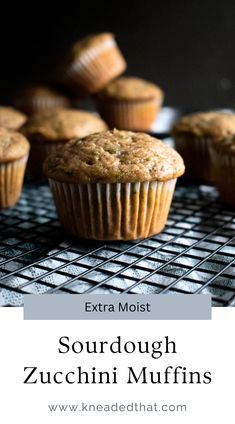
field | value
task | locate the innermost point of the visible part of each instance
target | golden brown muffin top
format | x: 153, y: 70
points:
x: 62, y: 125
x: 11, y: 118
x: 90, y: 42
x: 114, y: 157
x: 213, y: 124
x: 131, y: 88
x: 13, y: 145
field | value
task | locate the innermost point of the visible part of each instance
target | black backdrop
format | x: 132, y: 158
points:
x: 187, y: 47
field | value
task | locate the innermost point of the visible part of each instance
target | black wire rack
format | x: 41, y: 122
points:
x: 194, y: 254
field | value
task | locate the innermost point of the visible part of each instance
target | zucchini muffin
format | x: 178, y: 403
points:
x: 50, y: 130
x: 115, y: 185
x: 14, y: 149
x: 223, y: 158
x: 39, y: 98
x: 130, y: 103
x: 92, y: 63
x: 11, y: 118
x: 194, y: 135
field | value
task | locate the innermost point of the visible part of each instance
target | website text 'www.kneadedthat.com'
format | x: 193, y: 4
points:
x: 152, y: 407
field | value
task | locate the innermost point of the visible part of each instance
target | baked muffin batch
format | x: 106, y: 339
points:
x: 109, y: 184
x: 92, y: 63
x: 206, y: 141
x: 50, y: 130
x: 11, y: 119
x: 130, y: 103
x: 114, y: 185
x: 14, y: 149
x: 40, y: 98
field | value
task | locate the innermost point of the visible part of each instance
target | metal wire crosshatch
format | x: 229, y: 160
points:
x: 194, y: 254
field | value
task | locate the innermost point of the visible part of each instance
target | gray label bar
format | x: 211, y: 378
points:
x: 117, y: 307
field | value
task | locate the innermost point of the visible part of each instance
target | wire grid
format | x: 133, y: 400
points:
x: 194, y: 254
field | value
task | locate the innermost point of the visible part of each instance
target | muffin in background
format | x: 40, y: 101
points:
x: 194, y: 134
x: 10, y: 118
x: 223, y: 160
x: 92, y: 63
x: 39, y: 98
x: 14, y: 149
x: 130, y: 103
x: 115, y: 185
x: 50, y: 130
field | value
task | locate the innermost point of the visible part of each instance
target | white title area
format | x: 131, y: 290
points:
x: 74, y: 371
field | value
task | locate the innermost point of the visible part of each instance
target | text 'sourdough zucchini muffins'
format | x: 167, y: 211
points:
x: 194, y: 135
x: 36, y: 99
x: 11, y: 119
x: 114, y: 185
x: 14, y: 149
x: 130, y: 103
x: 92, y: 63
x: 50, y: 130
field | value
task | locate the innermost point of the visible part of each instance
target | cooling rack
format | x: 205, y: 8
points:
x: 194, y: 254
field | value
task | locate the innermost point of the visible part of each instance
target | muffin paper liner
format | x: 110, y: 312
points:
x: 196, y: 154
x: 42, y: 103
x: 96, y: 67
x: 224, y: 174
x: 38, y: 154
x: 11, y: 180
x: 129, y: 115
x: 121, y: 211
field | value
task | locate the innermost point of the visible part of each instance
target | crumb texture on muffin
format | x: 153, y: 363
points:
x: 62, y: 125
x: 131, y: 88
x: 13, y: 145
x: 113, y: 157
x: 11, y: 118
x: 213, y: 124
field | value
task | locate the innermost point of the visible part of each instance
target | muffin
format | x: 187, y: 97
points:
x: 130, y: 103
x: 194, y: 134
x: 92, y: 63
x: 223, y: 157
x: 115, y: 185
x: 50, y: 130
x: 38, y: 98
x: 11, y: 118
x: 14, y: 149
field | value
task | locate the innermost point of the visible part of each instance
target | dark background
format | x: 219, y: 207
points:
x: 187, y: 47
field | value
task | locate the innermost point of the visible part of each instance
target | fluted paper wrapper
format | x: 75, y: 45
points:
x: 38, y: 154
x: 96, y: 67
x: 224, y: 174
x: 42, y: 104
x: 129, y: 115
x: 11, y: 180
x: 122, y: 211
x: 196, y: 154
